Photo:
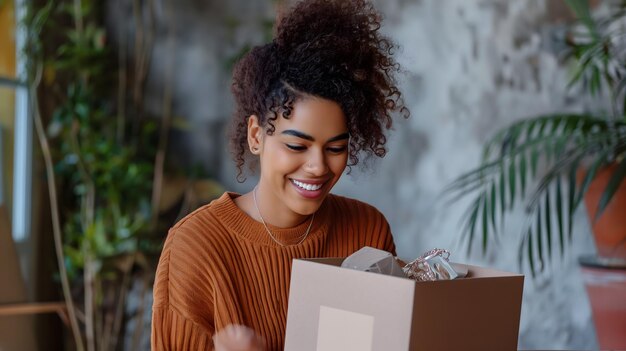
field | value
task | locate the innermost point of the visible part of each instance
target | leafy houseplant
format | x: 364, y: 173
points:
x: 99, y: 150
x: 572, y: 148
x: 111, y: 198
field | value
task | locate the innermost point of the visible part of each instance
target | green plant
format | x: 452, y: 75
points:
x: 562, y: 144
x: 100, y: 162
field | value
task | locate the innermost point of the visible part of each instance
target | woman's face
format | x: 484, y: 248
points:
x: 302, y: 160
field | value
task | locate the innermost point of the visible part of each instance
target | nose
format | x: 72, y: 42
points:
x: 316, y: 164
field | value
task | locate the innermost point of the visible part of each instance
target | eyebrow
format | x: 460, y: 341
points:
x: 310, y: 138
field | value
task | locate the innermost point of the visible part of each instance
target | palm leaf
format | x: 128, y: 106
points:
x: 529, y: 252
x: 589, y: 176
x: 559, y: 215
x: 548, y: 222
x: 614, y: 183
x: 493, y: 206
x: 471, y: 223
x: 485, y: 222
x: 563, y: 143
x: 539, y: 235
x: 583, y: 13
x: 568, y: 139
x: 502, y: 194
x: 569, y: 127
x: 512, y: 181
x: 571, y: 199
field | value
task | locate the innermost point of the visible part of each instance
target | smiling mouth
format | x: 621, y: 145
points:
x: 307, y: 186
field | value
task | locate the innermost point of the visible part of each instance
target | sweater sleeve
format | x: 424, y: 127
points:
x: 182, y: 316
x: 171, y: 331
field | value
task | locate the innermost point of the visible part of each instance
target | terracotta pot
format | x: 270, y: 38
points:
x: 610, y: 229
x: 606, y: 288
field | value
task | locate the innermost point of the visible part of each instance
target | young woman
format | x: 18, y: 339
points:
x: 312, y: 102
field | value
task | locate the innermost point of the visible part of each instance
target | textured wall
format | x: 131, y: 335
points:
x: 471, y: 67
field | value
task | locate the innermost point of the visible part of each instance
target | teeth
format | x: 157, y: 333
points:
x: 310, y: 187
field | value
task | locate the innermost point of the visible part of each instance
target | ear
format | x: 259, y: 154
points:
x: 255, y: 135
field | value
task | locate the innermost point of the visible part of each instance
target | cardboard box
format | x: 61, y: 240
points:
x: 338, y: 309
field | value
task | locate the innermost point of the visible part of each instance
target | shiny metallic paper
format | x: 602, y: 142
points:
x: 432, y: 265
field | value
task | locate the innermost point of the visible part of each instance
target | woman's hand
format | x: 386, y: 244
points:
x: 238, y: 338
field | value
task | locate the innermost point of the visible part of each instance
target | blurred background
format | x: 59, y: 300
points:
x: 113, y: 121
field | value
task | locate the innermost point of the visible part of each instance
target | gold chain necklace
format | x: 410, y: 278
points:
x: 270, y: 232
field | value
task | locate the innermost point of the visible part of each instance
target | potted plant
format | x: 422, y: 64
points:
x: 573, y: 157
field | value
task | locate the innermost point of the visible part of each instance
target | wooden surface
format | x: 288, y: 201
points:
x: 16, y: 331
x: 35, y: 308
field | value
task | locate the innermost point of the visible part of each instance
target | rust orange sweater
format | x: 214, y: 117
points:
x: 219, y: 266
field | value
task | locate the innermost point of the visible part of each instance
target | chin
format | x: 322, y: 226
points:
x: 307, y: 207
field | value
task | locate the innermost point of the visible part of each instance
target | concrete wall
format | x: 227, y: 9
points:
x: 471, y: 67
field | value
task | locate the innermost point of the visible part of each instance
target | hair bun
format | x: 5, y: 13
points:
x: 341, y: 34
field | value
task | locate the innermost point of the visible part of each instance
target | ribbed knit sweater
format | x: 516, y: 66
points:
x: 219, y: 266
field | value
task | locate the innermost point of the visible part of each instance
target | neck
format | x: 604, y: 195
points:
x: 274, y: 212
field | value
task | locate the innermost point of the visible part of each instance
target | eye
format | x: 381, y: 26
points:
x: 337, y: 150
x: 295, y: 147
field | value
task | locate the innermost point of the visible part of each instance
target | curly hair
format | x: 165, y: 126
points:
x: 326, y: 48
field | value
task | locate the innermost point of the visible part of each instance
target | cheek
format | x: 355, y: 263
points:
x: 285, y: 161
x: 272, y: 162
x: 338, y: 165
